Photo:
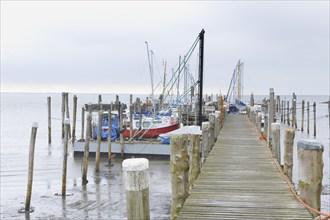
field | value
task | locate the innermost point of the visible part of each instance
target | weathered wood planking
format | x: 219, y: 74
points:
x: 239, y: 180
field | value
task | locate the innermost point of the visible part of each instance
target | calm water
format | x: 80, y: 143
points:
x: 104, y: 196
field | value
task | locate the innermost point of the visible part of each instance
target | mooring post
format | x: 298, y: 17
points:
x: 212, y: 125
x: 288, y: 152
x: 217, y: 124
x: 109, y: 134
x: 303, y: 114
x: 99, y: 138
x: 65, y: 155
x: 275, y: 143
x: 251, y: 100
x: 131, y: 120
x: 205, y: 140
x: 82, y: 123
x: 121, y: 137
x: 310, y: 172
x: 282, y: 114
x: 49, y: 119
x: 178, y: 164
x: 135, y: 175
x: 67, y: 113
x: 314, y: 111
x: 74, y: 119
x: 265, y: 132
x: 288, y: 112
x: 63, y: 112
x: 271, y: 106
x: 140, y: 111
x: 195, y: 160
x: 100, y: 102
x: 196, y: 109
x: 86, y: 150
x: 278, y: 104
x: 31, y: 163
x: 259, y: 116
x: 307, y: 117
x: 294, y: 112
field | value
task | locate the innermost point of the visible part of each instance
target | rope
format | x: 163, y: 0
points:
x: 326, y: 215
x: 179, y: 69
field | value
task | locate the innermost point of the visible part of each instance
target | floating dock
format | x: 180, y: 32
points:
x: 149, y: 149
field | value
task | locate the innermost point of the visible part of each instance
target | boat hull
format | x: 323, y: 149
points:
x: 151, y: 133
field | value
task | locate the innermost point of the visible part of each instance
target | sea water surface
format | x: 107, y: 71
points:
x: 104, y: 196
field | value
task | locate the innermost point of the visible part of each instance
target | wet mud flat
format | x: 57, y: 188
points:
x: 103, y: 197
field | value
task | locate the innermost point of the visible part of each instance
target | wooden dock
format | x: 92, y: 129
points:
x: 240, y: 181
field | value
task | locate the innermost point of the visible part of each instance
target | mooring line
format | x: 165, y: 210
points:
x: 326, y: 215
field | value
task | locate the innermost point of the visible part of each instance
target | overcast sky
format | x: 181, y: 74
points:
x: 88, y: 46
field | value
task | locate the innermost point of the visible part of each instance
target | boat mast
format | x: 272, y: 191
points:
x: 239, y: 83
x: 185, y: 78
x: 178, y: 83
x: 200, y: 76
x: 164, y: 84
x: 151, y: 72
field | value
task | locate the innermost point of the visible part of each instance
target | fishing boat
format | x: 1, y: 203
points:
x: 151, y: 127
x: 147, y: 127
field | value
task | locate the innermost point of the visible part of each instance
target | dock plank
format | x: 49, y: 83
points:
x: 239, y: 180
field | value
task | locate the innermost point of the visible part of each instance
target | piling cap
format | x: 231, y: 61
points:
x: 309, y: 144
x: 35, y: 125
x: 135, y: 164
x: 66, y: 121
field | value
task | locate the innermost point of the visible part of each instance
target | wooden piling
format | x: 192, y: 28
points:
x: 288, y: 112
x: 86, y: 150
x: 135, y: 175
x: 278, y: 104
x: 275, y: 143
x: 49, y: 101
x: 194, y: 162
x: 271, y: 106
x: 121, y: 137
x: 294, y: 111
x: 314, y: 111
x: 284, y: 112
x: 307, y: 117
x: 259, y: 118
x: 251, y: 100
x: 63, y: 112
x: 196, y: 108
x: 82, y: 123
x: 100, y: 102
x: 109, y: 134
x: 178, y: 166
x: 302, y: 114
x: 310, y: 172
x: 31, y: 164
x: 265, y: 132
x: 65, y: 155
x: 205, y: 140
x: 99, y: 138
x: 131, y: 120
x: 288, y: 152
x: 212, y: 129
x: 67, y: 113
x: 74, y: 119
